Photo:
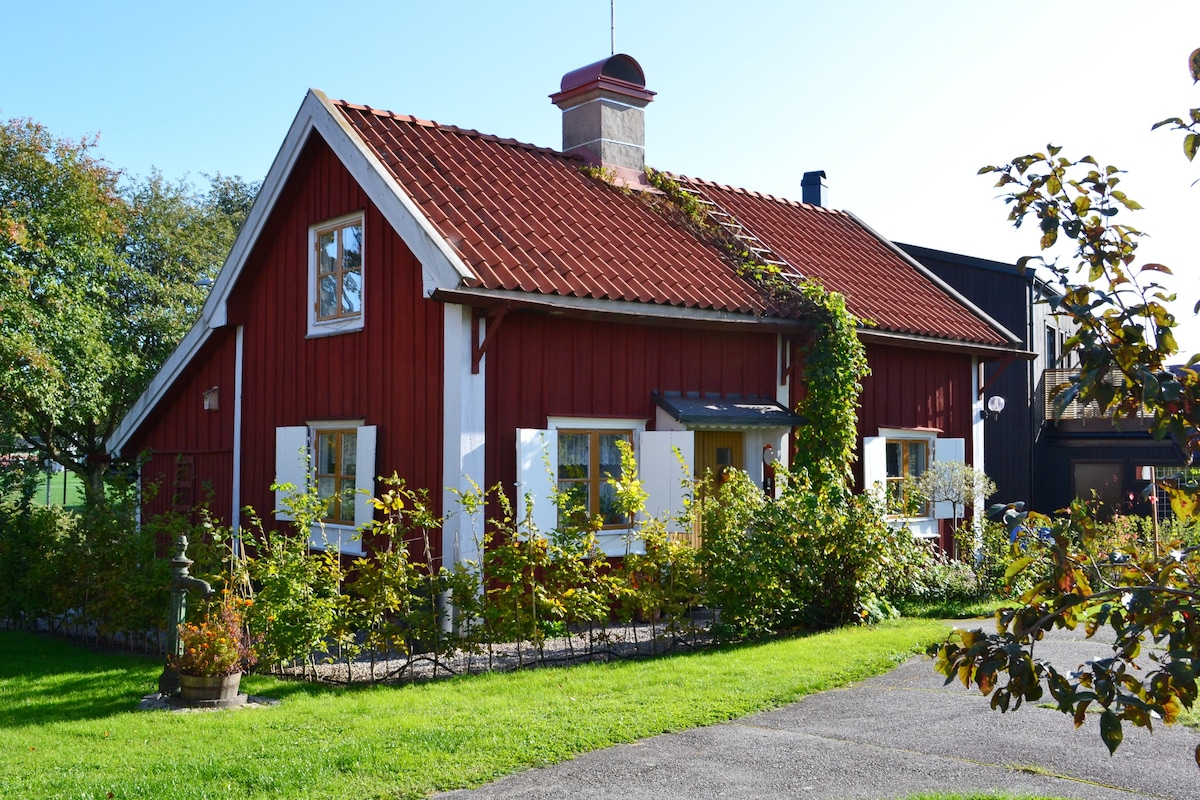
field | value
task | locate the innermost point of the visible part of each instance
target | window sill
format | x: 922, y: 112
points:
x: 620, y: 542
x: 318, y: 330
x: 345, y: 538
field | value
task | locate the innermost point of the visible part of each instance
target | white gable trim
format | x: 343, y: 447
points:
x: 441, y: 268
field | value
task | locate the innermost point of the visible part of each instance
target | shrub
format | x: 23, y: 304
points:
x: 296, y: 594
x: 811, y: 558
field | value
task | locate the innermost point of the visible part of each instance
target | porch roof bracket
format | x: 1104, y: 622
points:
x: 489, y: 321
x: 1004, y: 364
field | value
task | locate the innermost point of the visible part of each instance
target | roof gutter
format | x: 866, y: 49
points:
x: 615, y: 310
x: 989, y: 352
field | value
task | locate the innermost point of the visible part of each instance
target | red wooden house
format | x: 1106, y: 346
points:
x: 412, y: 297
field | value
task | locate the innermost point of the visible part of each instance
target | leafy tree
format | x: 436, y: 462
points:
x: 98, y: 282
x: 1146, y: 594
x: 953, y: 482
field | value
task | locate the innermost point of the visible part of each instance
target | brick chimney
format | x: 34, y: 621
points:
x: 603, y: 106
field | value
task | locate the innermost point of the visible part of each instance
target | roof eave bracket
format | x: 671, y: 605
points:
x: 484, y: 325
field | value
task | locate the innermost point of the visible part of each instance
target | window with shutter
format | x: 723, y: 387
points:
x: 337, y: 459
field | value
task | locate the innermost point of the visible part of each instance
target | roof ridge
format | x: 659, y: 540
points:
x: 470, y: 132
x: 754, y: 193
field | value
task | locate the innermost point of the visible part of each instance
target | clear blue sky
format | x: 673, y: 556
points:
x: 900, y: 103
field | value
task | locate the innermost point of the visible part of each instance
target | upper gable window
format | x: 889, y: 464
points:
x: 335, y: 276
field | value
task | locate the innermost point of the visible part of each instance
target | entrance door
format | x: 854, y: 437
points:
x: 716, y: 450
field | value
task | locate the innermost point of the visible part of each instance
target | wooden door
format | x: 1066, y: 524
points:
x: 716, y: 450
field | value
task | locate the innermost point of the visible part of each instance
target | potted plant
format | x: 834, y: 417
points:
x: 214, y: 652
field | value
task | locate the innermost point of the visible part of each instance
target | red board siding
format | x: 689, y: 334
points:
x: 184, y: 428
x: 388, y: 374
x: 544, y: 366
x: 917, y: 389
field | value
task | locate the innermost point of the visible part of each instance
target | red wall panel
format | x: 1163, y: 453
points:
x: 183, y: 427
x: 388, y: 374
x: 917, y: 389
x: 542, y: 366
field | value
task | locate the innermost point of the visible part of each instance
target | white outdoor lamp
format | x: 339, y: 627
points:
x: 995, y: 405
x: 769, y: 470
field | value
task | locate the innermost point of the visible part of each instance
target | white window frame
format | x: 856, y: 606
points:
x: 938, y: 449
x: 294, y: 464
x: 336, y: 325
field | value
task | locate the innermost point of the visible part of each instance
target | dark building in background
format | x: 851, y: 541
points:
x: 1031, y: 455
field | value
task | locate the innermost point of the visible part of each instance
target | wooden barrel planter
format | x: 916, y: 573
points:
x: 215, y: 691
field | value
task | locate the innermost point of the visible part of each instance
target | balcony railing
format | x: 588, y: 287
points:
x: 1075, y: 410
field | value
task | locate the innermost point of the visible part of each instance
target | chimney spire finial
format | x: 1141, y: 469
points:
x: 612, y: 27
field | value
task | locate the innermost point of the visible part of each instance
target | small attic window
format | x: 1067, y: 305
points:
x: 335, y: 276
x: 212, y: 399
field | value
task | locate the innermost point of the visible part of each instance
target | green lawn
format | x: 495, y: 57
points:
x: 57, y: 482
x: 67, y: 728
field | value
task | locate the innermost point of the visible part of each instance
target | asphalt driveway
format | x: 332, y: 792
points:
x: 887, y: 737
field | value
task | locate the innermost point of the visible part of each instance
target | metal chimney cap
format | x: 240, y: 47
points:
x: 620, y: 74
x: 622, y: 67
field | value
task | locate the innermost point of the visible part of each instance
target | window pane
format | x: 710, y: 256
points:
x: 351, y: 292
x: 327, y: 302
x: 352, y: 247
x: 346, y: 499
x: 327, y: 454
x: 895, y: 459
x: 327, y: 252
x: 610, y: 456
x: 917, y: 458
x: 325, y: 487
x: 608, y: 506
x: 349, y: 455
x: 574, y: 502
x: 574, y: 459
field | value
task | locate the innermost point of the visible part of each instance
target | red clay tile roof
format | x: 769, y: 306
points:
x: 834, y: 247
x: 526, y: 218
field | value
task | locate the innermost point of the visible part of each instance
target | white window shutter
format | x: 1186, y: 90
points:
x: 537, y: 471
x: 875, y: 466
x: 663, y: 475
x: 948, y: 450
x: 364, y: 477
x: 291, y: 464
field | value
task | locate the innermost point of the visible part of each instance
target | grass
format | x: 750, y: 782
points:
x: 67, y: 728
x: 954, y: 609
x: 59, y: 482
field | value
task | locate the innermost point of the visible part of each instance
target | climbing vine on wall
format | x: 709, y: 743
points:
x: 835, y: 361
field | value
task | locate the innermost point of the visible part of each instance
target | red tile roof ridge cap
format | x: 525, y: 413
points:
x: 753, y: 193
x: 470, y: 132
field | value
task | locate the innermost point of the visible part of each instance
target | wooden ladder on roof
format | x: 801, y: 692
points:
x: 728, y: 223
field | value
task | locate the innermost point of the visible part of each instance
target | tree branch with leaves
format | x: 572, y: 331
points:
x: 99, y: 280
x: 1147, y: 597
